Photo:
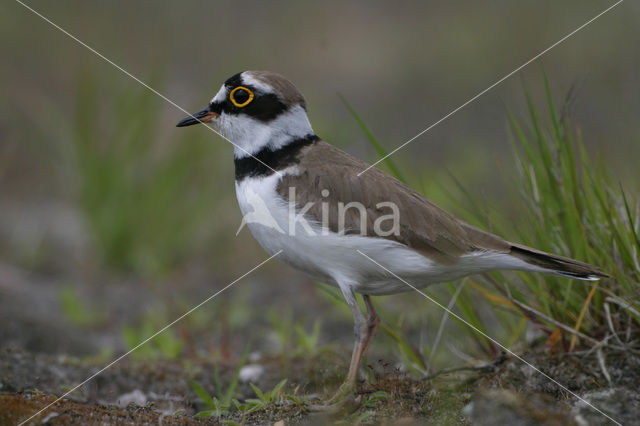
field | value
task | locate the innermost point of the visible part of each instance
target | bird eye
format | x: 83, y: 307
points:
x: 241, y: 96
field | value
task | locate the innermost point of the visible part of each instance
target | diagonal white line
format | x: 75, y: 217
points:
x: 153, y: 335
x: 493, y: 340
x: 494, y: 85
x: 140, y: 81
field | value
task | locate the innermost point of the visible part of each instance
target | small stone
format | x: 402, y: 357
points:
x: 467, y: 411
x: 250, y: 373
x: 136, y: 397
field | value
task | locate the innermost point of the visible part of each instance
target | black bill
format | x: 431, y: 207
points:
x: 203, y: 116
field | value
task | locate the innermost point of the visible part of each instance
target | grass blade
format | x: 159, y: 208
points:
x: 374, y: 142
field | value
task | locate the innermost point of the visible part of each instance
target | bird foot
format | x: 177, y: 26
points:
x: 344, y: 400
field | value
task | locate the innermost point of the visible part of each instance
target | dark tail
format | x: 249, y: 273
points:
x: 557, y: 265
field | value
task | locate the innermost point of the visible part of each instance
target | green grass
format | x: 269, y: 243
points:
x: 572, y: 208
x: 223, y: 402
x: 143, y: 202
x: 166, y: 345
x: 567, y: 204
x: 274, y: 396
x: 76, y: 310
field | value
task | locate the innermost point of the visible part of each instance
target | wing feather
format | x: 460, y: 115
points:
x: 423, y: 226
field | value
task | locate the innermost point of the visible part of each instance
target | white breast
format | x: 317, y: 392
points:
x: 334, y: 259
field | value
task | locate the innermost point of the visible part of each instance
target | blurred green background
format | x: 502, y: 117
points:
x: 113, y: 222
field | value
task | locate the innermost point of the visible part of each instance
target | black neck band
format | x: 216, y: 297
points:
x: 270, y: 159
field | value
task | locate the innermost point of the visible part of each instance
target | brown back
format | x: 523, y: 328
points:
x: 424, y: 226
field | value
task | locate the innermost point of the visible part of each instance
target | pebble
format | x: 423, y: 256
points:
x: 251, y: 373
x: 137, y: 397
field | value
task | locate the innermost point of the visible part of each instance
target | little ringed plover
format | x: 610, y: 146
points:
x: 307, y: 200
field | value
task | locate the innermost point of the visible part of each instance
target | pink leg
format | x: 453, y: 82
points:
x: 364, y: 332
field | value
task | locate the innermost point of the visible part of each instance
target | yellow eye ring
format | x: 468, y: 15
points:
x: 236, y: 103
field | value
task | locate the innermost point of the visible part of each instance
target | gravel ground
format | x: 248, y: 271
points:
x: 149, y: 392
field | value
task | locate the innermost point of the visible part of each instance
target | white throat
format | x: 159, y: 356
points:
x: 251, y: 135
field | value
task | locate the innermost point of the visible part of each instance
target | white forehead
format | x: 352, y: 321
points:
x: 250, y: 80
x: 221, y: 95
x: 247, y: 79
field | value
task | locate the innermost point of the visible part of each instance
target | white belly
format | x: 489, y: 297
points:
x: 334, y: 259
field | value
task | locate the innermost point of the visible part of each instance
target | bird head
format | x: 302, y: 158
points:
x: 256, y: 110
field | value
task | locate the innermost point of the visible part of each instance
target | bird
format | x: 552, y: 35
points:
x: 359, y: 232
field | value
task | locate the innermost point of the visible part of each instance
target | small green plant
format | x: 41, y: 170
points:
x: 307, y: 342
x: 76, y: 310
x: 373, y: 400
x: 275, y: 396
x: 293, y: 338
x: 222, y: 403
x: 367, y: 410
x: 281, y: 322
x: 292, y: 335
x: 166, y: 345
